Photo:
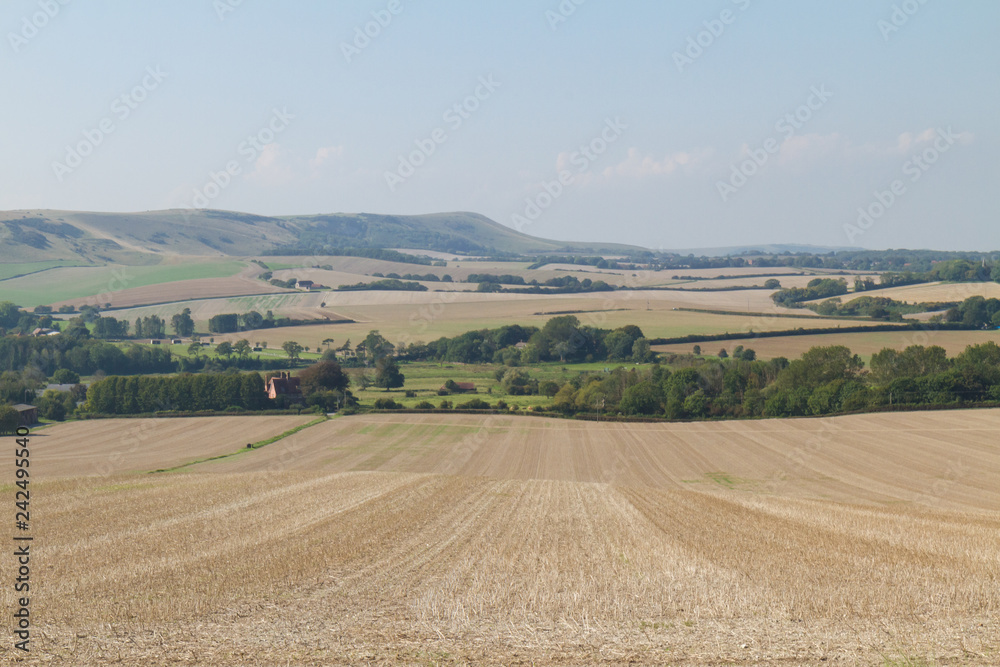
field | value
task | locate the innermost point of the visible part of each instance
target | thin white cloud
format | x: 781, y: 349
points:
x: 270, y: 167
x: 325, y: 155
x: 638, y: 165
x: 809, y: 146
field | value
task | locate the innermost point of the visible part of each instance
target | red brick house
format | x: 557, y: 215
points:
x: 283, y: 384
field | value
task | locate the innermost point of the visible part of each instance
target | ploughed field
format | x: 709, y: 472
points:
x: 460, y: 539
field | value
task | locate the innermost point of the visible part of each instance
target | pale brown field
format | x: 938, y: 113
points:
x: 112, y: 446
x: 867, y: 540
x: 413, y: 316
x: 935, y: 292
x: 863, y: 344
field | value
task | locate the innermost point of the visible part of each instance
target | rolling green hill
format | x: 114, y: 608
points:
x: 141, y: 238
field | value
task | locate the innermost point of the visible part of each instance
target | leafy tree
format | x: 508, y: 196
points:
x: 225, y: 349
x: 641, y: 352
x: 292, y: 349
x: 772, y: 283
x: 473, y: 404
x: 325, y: 375
x: 697, y: 350
x: 915, y: 361
x: 17, y: 387
x: 242, y: 348
x: 9, y: 420
x: 819, y: 366
x: 182, y: 323
x: 697, y: 404
x: 109, y: 327
x: 565, y: 398
x: 548, y: 388
x: 562, y: 349
x: 56, y: 405
x: 517, y: 382
x: 644, y: 398
x: 153, y: 327
x: 619, y: 345
x: 375, y: 347
x: 65, y: 376
x: 224, y: 323
x: 9, y: 314
x: 387, y: 374
x: 251, y: 320
x: 194, y: 349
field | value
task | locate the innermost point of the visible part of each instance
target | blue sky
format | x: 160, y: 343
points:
x: 665, y: 124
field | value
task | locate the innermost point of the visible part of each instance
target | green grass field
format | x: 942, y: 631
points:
x: 8, y: 271
x: 62, y: 282
x: 425, y: 378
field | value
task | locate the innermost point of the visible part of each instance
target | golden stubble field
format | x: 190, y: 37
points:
x: 449, y: 539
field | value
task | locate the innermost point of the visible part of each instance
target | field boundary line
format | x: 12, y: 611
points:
x: 252, y: 447
x: 51, y: 268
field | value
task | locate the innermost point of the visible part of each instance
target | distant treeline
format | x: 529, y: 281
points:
x: 334, y: 251
x: 873, y: 328
x: 389, y: 284
x: 825, y: 380
x: 561, y: 339
x: 876, y: 261
x: 597, y: 262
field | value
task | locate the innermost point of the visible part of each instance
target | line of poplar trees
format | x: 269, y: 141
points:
x: 184, y: 393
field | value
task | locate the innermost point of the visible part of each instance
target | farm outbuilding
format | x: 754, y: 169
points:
x: 26, y: 414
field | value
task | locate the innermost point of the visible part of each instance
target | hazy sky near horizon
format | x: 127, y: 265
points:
x: 665, y: 124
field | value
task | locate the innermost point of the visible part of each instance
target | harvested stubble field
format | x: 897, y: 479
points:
x: 447, y: 539
x: 933, y: 292
x: 107, y: 446
x: 426, y: 316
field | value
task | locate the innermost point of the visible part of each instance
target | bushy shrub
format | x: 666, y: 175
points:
x: 474, y: 404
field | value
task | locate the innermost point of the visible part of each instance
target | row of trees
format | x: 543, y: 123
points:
x: 562, y: 339
x: 186, y: 393
x: 818, y: 288
x: 83, y: 356
x: 825, y: 380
